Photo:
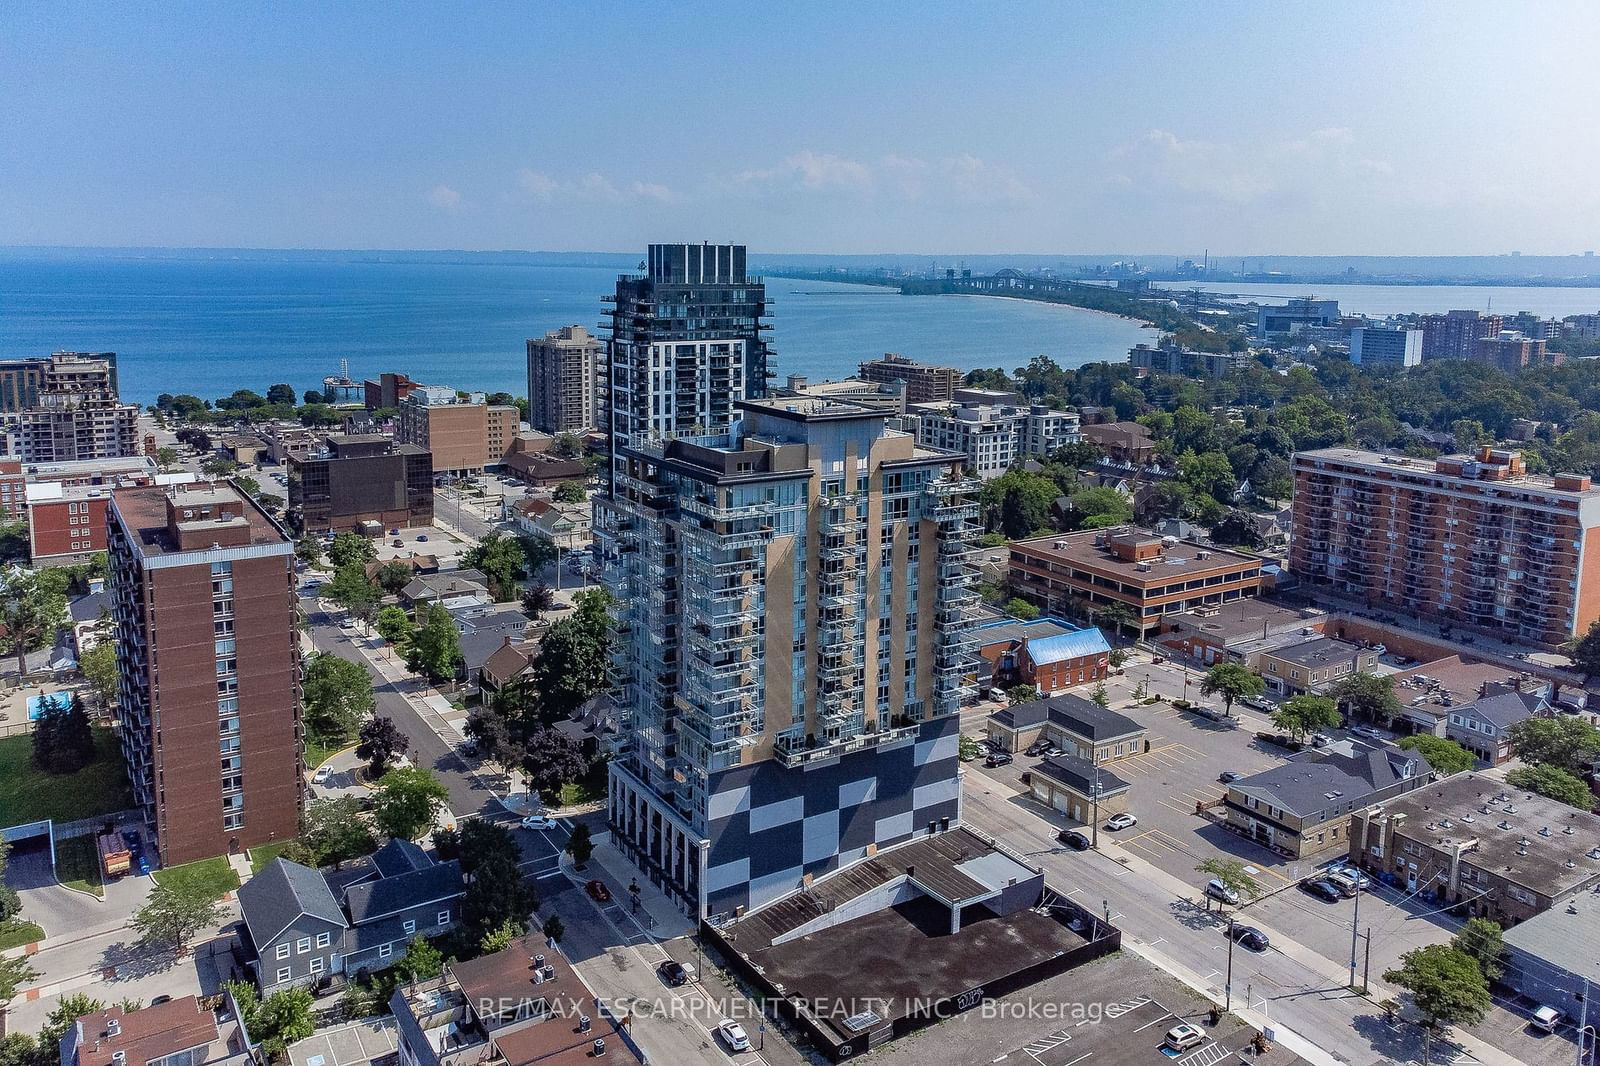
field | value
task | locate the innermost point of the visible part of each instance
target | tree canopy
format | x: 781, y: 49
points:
x: 435, y: 647
x: 1368, y: 696
x: 406, y: 802
x: 1446, y: 984
x: 1566, y: 743
x: 1443, y: 754
x: 1554, y: 783
x: 1304, y: 714
x: 338, y: 697
x: 1231, y: 681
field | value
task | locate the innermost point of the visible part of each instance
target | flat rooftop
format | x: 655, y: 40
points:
x: 1460, y: 678
x: 1316, y: 652
x: 1245, y: 619
x: 144, y: 513
x: 1498, y: 822
x: 1383, y: 461
x: 1091, y: 550
x: 863, y: 964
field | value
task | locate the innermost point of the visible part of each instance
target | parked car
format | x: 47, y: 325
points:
x: 1121, y: 821
x: 1219, y: 891
x: 1250, y: 938
x: 1074, y: 839
x: 1355, y: 876
x: 538, y: 821
x: 1230, y: 776
x: 1546, y: 1018
x: 998, y: 758
x: 1320, y: 740
x: 422, y: 536
x: 398, y: 543
x: 1036, y: 749
x: 1346, y: 884
x: 322, y: 775
x: 1257, y: 703
x: 1369, y: 732
x: 598, y: 891
x: 394, y: 532
x: 732, y: 1034
x: 1322, y: 888
x: 675, y: 973
x: 1183, y: 1037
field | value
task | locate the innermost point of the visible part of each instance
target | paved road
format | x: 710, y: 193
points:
x: 469, y: 794
x: 1167, y: 923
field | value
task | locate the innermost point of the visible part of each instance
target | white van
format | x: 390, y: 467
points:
x: 1546, y: 1018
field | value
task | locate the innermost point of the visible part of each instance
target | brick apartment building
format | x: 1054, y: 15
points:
x: 66, y: 526
x: 1512, y: 352
x: 13, y: 489
x: 465, y: 436
x: 1149, y: 575
x: 202, y: 591
x: 1470, y: 840
x: 1455, y: 334
x: 564, y: 381
x: 357, y: 479
x: 65, y: 408
x: 1472, y: 540
x: 388, y: 391
x: 925, y: 383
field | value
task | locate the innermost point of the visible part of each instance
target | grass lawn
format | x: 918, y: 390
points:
x: 259, y: 857
x: 587, y: 789
x: 214, y: 876
x: 78, y: 864
x: 28, y: 794
x: 316, y: 754
x: 16, y: 932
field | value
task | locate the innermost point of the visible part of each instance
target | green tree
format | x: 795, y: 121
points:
x: 502, y: 560
x: 1553, y: 782
x: 277, y: 1021
x: 1208, y: 474
x: 392, y: 577
x: 1100, y: 695
x: 436, y: 646
x: 421, y: 961
x: 1017, y: 695
x: 580, y: 845
x: 1237, y: 528
x: 1567, y: 743
x: 394, y: 625
x: 1098, y: 508
x: 1018, y: 503
x: 18, y: 1049
x: 406, y: 801
x: 497, y: 894
x: 1444, y: 755
x: 554, y: 928
x: 1114, y: 617
x: 1368, y: 696
x: 218, y: 466
x: 1017, y: 607
x: 308, y: 550
x: 16, y: 971
x: 551, y: 759
x: 336, y: 830
x: 348, y: 548
x: 166, y: 458
x: 1585, y: 650
x: 63, y: 740
x: 1232, y: 682
x: 174, y: 913
x: 537, y: 553
x: 338, y: 698
x: 1445, y: 983
x: 499, y: 938
x: 1481, y: 939
x: 351, y: 590
x: 381, y: 742
x: 1233, y: 875
x: 280, y: 394
x: 570, y: 666
x: 568, y: 445
x: 68, y: 1009
x: 537, y: 599
x: 570, y: 492
x: 31, y: 610
x: 1300, y: 715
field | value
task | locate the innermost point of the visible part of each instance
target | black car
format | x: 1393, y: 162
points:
x: 1230, y: 776
x: 999, y: 758
x: 1037, y: 748
x: 1326, y: 891
x: 673, y: 972
x: 1250, y: 938
x: 1073, y: 839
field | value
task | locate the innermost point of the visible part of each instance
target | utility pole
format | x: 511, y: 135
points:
x: 1094, y: 756
x: 1583, y: 1020
x: 1227, y: 986
x: 1354, y: 935
x: 1366, y: 967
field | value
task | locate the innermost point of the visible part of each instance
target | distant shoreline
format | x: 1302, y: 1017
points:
x: 1050, y: 303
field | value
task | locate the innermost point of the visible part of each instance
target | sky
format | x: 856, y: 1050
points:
x: 853, y: 127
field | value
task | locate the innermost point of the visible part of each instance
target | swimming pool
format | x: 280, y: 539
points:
x: 47, y: 701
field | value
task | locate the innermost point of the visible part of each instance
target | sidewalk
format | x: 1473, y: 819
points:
x: 658, y: 917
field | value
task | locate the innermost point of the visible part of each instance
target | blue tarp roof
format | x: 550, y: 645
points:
x: 1064, y: 646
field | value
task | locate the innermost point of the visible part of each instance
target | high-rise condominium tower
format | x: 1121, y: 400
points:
x: 794, y: 628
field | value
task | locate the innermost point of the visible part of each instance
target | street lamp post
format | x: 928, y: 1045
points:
x: 1095, y: 843
x: 1227, y: 986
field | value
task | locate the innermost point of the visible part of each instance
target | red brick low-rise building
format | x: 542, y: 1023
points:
x: 1048, y: 653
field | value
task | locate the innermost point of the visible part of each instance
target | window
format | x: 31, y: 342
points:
x: 283, y: 974
x: 324, y: 939
x: 444, y: 917
x: 316, y: 965
x: 385, y: 950
x: 302, y: 945
x: 410, y: 925
x: 283, y: 951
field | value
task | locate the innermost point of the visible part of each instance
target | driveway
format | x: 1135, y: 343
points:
x: 54, y: 909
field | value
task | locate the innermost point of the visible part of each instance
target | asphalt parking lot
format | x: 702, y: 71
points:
x: 1115, y: 1011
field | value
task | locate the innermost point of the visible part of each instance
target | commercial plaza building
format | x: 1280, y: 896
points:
x: 795, y: 624
x: 1474, y: 540
x: 1455, y: 334
x: 360, y: 478
x: 563, y: 380
x: 202, y: 590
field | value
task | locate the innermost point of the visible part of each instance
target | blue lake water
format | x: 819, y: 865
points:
x: 208, y: 326
x: 1551, y: 301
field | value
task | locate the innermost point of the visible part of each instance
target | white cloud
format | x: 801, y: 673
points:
x: 1316, y: 164
x: 962, y: 179
x: 444, y: 197
x: 590, y: 188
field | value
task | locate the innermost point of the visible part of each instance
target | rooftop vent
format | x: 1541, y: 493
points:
x: 1544, y: 830
x: 1511, y: 808
x: 1503, y: 824
x: 583, y: 1023
x: 1522, y: 851
x: 1469, y: 819
x: 1572, y: 906
x: 113, y: 1027
x: 599, y: 1048
x: 1568, y: 830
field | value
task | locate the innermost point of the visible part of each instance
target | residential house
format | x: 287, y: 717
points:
x: 444, y: 585
x: 516, y: 1007
x: 1428, y: 692
x: 1048, y: 653
x: 1483, y: 726
x: 179, y: 1032
x: 1302, y: 807
x: 506, y: 664
x: 1075, y: 725
x: 1472, y: 843
x: 305, y: 925
x: 1311, y: 665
